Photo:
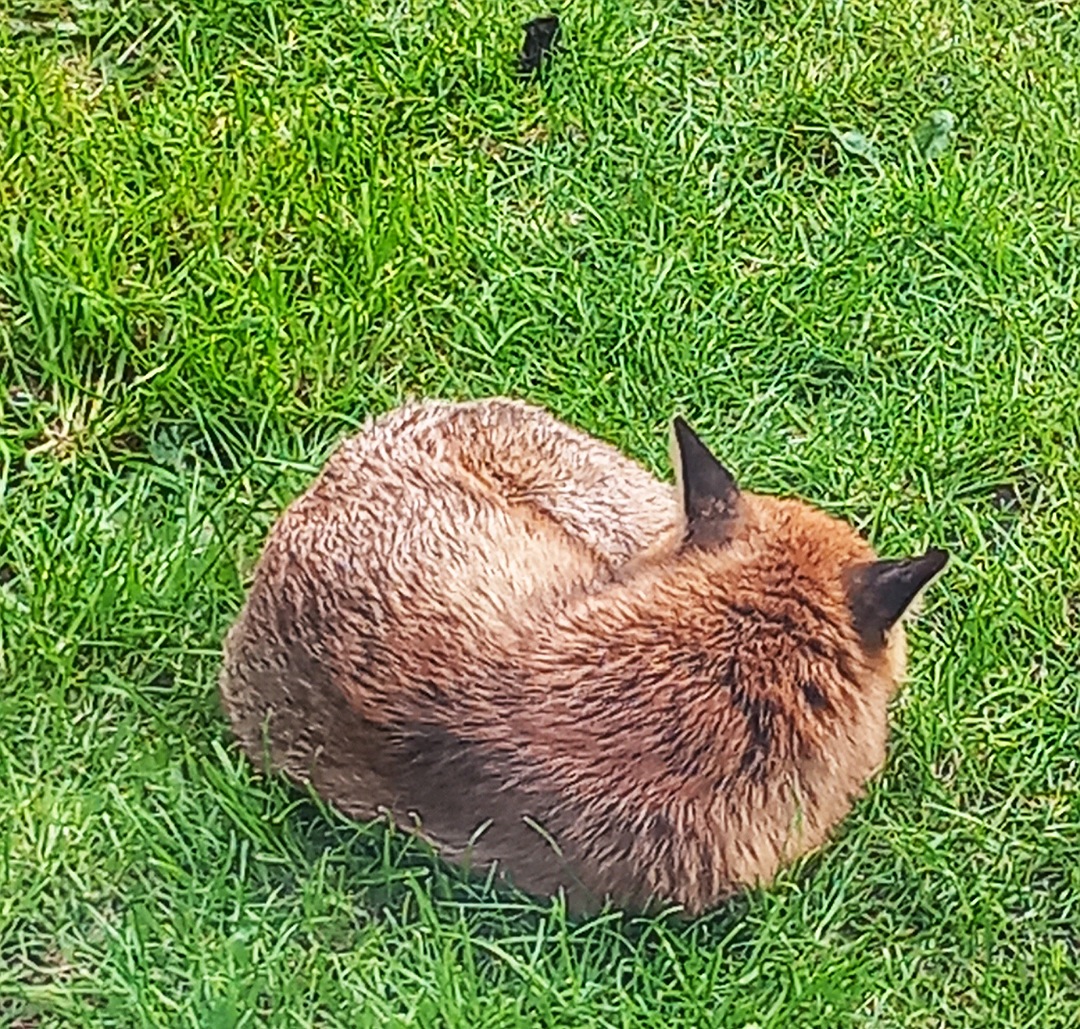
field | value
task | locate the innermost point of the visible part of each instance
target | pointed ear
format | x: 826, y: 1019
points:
x: 879, y: 593
x: 709, y: 494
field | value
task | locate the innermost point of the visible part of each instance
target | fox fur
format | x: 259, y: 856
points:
x: 517, y: 642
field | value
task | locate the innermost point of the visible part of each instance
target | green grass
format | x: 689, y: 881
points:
x: 231, y: 231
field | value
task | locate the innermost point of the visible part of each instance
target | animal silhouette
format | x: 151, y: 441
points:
x: 518, y: 643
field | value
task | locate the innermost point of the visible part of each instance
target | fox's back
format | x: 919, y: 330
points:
x: 417, y: 518
x: 437, y: 532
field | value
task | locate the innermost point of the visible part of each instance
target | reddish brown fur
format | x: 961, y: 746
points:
x: 504, y: 633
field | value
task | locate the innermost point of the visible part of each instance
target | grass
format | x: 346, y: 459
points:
x: 231, y: 231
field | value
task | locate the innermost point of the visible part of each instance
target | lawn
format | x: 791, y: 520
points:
x: 233, y: 230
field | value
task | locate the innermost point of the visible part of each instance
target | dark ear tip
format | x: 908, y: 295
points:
x: 685, y: 437
x: 882, y: 591
x: 935, y: 559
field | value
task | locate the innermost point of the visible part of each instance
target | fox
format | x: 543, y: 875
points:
x: 519, y: 644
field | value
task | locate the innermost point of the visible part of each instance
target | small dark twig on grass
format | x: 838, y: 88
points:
x: 541, y: 36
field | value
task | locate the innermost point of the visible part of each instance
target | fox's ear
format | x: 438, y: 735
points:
x: 879, y: 593
x: 710, y: 497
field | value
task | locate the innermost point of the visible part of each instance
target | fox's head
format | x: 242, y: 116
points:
x: 783, y: 559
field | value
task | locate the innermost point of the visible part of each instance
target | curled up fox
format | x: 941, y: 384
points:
x: 520, y: 644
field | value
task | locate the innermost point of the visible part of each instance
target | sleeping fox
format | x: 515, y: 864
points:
x: 518, y: 643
